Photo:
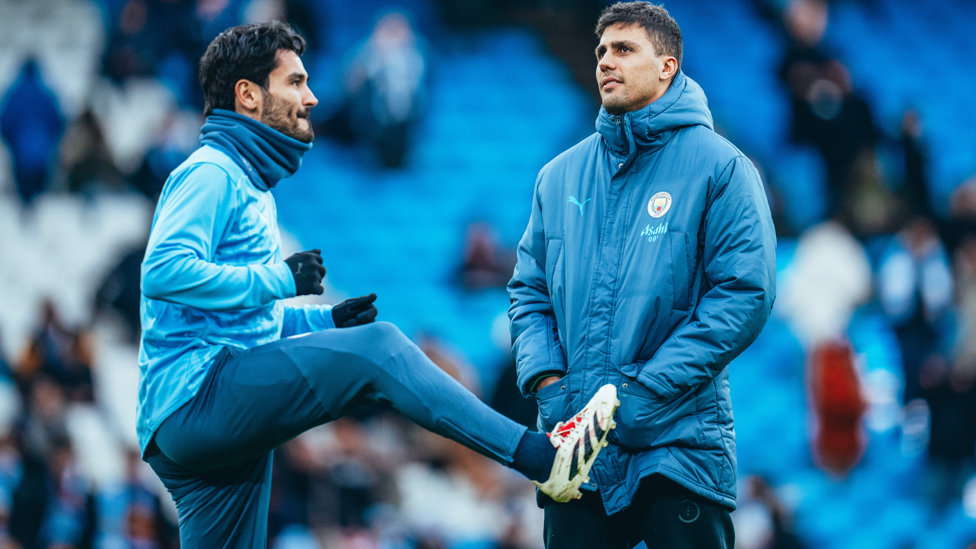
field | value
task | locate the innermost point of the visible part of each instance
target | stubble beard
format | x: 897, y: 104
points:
x: 275, y: 115
x: 616, y: 105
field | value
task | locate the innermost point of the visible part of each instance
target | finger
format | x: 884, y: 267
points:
x: 316, y: 251
x: 363, y: 300
x: 367, y: 316
x: 320, y: 270
x: 318, y: 289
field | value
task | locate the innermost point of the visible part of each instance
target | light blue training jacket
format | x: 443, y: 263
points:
x: 648, y: 263
x: 213, y: 275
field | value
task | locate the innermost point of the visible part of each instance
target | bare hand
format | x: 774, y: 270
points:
x: 547, y: 381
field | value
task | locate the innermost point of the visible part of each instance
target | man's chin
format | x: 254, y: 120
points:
x: 304, y: 134
x: 303, y: 131
x: 614, y: 107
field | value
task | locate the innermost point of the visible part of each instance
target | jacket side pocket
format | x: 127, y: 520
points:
x: 680, y: 270
x: 554, y: 276
x: 555, y: 405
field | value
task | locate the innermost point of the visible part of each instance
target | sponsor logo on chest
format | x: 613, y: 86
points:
x: 653, y: 233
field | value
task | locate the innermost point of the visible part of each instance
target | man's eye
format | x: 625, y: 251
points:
x: 624, y: 48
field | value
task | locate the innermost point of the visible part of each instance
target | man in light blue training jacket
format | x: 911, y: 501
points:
x: 223, y: 379
x: 648, y: 263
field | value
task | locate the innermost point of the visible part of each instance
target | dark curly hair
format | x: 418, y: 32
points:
x: 245, y: 52
x: 662, y: 30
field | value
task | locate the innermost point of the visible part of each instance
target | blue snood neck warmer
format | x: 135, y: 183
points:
x: 266, y: 154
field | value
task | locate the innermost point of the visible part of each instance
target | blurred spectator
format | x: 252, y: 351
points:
x: 506, y: 397
x: 948, y: 386
x: 45, y: 423
x: 161, y: 38
x: 130, y: 515
x: 31, y: 123
x: 915, y: 188
x: 10, y: 463
x: 85, y: 157
x: 839, y: 124
x: 176, y: 140
x: 965, y: 280
x: 829, y: 276
x: 306, y: 17
x: 826, y: 112
x: 331, y: 481
x: 962, y: 213
x: 62, y: 354
x: 805, y: 22
x: 839, y: 406
x: 6, y: 373
x: 26, y: 475
x: 68, y: 523
x: 386, y: 88
x: 216, y: 16
x: 120, y: 292
x: 915, y: 289
x: 762, y: 520
x: 484, y: 264
x: 508, y: 400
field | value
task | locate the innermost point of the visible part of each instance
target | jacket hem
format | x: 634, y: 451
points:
x: 678, y: 477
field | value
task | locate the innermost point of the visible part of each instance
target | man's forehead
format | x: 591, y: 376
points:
x: 620, y: 32
x: 288, y: 62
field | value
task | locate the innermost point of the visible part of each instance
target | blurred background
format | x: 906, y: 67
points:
x: 855, y: 409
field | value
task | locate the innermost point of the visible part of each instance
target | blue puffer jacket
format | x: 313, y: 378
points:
x: 648, y: 263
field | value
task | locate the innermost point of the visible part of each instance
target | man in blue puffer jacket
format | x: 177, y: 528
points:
x: 648, y: 263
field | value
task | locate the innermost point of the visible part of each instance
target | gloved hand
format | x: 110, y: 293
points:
x: 308, y: 271
x: 355, y: 311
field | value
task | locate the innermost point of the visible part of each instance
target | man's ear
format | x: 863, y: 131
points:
x: 670, y: 68
x: 248, y: 98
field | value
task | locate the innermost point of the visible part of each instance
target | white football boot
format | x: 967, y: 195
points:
x: 584, y: 434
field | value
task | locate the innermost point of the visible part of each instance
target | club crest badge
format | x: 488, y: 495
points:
x: 659, y: 204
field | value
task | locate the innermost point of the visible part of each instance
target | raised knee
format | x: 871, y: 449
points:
x: 385, y: 334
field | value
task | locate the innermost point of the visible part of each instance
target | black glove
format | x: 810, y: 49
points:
x: 308, y: 271
x: 355, y: 312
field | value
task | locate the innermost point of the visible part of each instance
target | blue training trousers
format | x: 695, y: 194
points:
x: 214, y: 454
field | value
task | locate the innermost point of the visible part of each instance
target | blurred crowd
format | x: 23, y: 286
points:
x: 884, y: 244
x: 374, y: 480
x: 140, y: 118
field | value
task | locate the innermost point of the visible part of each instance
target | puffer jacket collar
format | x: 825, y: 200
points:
x: 684, y: 104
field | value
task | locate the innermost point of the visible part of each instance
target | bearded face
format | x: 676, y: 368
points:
x: 288, y: 118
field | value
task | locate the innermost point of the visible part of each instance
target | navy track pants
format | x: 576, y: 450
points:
x: 214, y: 454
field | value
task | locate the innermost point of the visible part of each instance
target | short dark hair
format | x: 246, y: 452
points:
x: 246, y: 52
x: 662, y: 30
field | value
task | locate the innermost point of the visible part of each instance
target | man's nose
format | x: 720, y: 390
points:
x: 309, y: 100
x: 606, y: 62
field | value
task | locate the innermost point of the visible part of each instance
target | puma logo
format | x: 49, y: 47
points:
x: 573, y: 200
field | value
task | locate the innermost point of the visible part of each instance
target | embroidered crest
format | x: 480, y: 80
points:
x: 659, y: 204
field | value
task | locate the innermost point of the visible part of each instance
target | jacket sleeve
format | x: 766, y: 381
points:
x: 533, y: 323
x: 192, y: 216
x: 306, y: 319
x: 739, y: 258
